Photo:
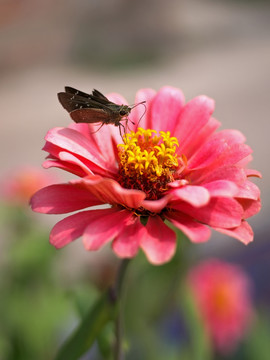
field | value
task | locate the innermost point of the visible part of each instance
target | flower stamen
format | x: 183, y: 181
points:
x: 148, y: 161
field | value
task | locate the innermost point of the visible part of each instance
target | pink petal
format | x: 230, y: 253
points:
x: 102, y: 138
x: 194, y: 116
x: 156, y: 206
x: 201, y: 137
x: 218, y: 152
x: 74, y: 164
x: 108, y: 191
x: 194, y: 195
x: 69, y: 158
x: 61, y: 199
x: 219, y: 212
x: 195, y: 231
x: 248, y: 190
x: 73, y: 169
x: 105, y: 228
x: 76, y: 143
x: 230, y: 173
x: 127, y: 242
x: 244, y: 162
x: 236, y: 153
x: 158, y: 242
x: 208, y: 154
x: 222, y: 188
x: 166, y: 108
x: 141, y: 115
x: 105, y: 144
x: 251, y: 207
x: 71, y: 140
x: 231, y: 136
x: 72, y: 227
x: 244, y: 232
x: 82, y: 128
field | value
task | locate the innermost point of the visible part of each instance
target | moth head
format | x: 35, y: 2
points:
x: 124, y: 110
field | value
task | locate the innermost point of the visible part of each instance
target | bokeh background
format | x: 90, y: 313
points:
x: 212, y: 47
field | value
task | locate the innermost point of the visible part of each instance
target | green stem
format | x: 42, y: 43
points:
x: 118, y: 353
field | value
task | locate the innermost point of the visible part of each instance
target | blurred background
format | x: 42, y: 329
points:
x: 212, y: 47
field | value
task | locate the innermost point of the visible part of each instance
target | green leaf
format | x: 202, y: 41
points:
x: 106, y: 340
x: 104, y: 311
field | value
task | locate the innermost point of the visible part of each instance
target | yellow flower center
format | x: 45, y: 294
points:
x: 148, y: 161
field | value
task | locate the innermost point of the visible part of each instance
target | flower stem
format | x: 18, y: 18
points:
x: 118, y: 353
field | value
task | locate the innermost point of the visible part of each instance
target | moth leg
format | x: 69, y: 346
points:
x: 97, y: 129
x: 121, y: 126
x: 127, y: 120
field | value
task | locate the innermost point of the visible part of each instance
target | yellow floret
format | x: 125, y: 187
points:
x: 145, y: 153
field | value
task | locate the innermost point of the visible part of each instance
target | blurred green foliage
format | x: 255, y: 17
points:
x: 34, y: 309
x: 39, y: 310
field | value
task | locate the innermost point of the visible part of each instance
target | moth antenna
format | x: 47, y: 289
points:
x: 133, y: 106
x: 141, y: 103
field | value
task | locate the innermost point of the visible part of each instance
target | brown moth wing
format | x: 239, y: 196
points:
x: 91, y: 116
x: 66, y: 102
x: 98, y: 96
x: 72, y: 102
x: 73, y: 91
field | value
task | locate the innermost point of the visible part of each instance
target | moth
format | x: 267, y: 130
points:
x: 94, y: 108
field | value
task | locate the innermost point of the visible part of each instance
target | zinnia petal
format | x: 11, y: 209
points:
x: 196, y: 196
x: 222, y: 188
x: 251, y: 207
x: 158, y: 242
x: 61, y: 199
x: 249, y: 190
x: 105, y: 227
x: 208, y: 155
x: 167, y: 104
x: 140, y: 115
x: 243, y: 232
x: 102, y: 140
x: 201, y: 137
x: 230, y: 173
x: 73, y: 169
x: 127, y: 242
x: 109, y: 191
x: 219, y: 212
x: 72, y: 227
x: 76, y: 143
x: 194, y: 116
x: 217, y: 152
x: 195, y: 231
x: 156, y: 206
x: 231, y: 136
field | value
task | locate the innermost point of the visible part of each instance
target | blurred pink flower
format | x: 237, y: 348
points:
x: 181, y: 171
x: 18, y: 186
x: 222, y: 292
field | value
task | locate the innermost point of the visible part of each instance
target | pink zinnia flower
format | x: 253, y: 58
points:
x: 222, y: 292
x: 175, y: 168
x: 19, y: 185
